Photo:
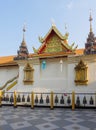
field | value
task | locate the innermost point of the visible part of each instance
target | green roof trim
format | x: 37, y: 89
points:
x: 56, y: 31
x: 70, y: 47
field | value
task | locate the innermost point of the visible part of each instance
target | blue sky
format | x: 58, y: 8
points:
x: 38, y: 15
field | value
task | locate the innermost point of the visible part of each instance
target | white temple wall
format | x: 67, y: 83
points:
x: 52, y: 78
x: 71, y: 77
x: 7, y: 73
x: 36, y: 77
x: 91, y: 75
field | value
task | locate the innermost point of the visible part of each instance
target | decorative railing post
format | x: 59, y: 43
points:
x: 73, y: 100
x: 0, y: 98
x: 95, y: 99
x: 52, y: 101
x: 32, y: 100
x: 15, y: 100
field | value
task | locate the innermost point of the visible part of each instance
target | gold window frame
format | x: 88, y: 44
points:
x: 28, y: 74
x: 81, y: 73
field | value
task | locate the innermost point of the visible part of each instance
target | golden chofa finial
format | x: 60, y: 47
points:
x: 90, y: 19
x: 66, y: 32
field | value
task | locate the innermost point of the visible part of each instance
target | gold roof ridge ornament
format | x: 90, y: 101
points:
x: 66, y: 32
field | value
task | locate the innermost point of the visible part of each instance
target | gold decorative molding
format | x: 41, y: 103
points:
x: 81, y: 73
x: 9, y: 81
x: 28, y: 74
x: 11, y: 85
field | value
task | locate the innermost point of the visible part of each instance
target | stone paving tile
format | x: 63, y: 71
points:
x: 19, y: 125
x: 6, y: 127
x: 75, y: 127
x: 23, y: 118
x: 3, y: 122
x: 47, y: 126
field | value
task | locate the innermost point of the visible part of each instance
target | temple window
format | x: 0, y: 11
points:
x: 81, y: 73
x: 28, y: 74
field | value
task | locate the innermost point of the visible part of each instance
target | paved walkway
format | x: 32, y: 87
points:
x: 22, y: 118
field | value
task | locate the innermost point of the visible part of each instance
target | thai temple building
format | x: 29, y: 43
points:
x: 55, y: 66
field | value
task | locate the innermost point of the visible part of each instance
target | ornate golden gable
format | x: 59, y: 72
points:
x: 53, y: 44
x: 81, y: 74
x: 54, y: 41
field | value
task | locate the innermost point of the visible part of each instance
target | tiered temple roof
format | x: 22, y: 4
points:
x: 22, y: 53
x: 90, y: 45
x: 54, y: 44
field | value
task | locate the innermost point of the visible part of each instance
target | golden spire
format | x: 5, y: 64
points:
x: 90, y: 19
x: 24, y: 30
x: 23, y: 41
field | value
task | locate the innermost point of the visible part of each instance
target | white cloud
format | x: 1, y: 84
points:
x: 70, y: 5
